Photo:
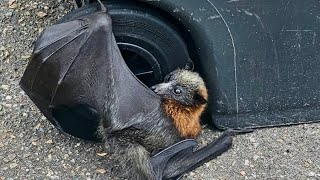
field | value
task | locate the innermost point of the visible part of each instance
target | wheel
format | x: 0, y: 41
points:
x: 150, y: 44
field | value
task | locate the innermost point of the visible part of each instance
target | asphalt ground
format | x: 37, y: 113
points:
x: 31, y: 148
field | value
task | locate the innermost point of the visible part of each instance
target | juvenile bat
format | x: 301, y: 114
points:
x: 80, y: 82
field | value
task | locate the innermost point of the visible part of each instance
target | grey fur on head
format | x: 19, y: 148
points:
x: 183, y: 86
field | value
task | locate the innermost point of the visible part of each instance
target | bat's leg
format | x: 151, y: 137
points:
x: 181, y: 164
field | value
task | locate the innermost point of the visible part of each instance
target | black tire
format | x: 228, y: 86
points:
x: 151, y: 45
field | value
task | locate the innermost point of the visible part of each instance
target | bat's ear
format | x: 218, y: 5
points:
x: 199, y: 99
x: 189, y: 65
x: 102, y: 7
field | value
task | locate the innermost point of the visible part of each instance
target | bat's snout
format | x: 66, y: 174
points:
x: 161, y: 89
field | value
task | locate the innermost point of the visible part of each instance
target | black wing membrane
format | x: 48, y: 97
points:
x: 79, y: 63
x: 182, y: 157
x: 64, y: 67
x: 189, y: 159
x: 161, y: 160
x: 84, y: 117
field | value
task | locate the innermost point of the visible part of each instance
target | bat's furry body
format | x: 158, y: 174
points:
x: 175, y: 119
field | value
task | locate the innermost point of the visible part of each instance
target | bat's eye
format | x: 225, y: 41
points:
x: 177, y: 91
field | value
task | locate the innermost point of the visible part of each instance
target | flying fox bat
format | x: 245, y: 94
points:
x: 80, y: 82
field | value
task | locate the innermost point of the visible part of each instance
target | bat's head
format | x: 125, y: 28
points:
x: 184, y: 87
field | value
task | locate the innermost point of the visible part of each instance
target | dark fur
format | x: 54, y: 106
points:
x: 147, y: 134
